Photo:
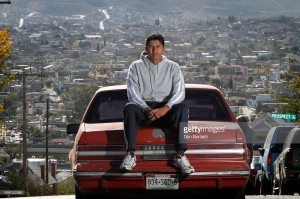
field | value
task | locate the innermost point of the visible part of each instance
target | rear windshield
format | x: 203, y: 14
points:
x: 206, y: 105
x: 295, y: 142
x: 281, y: 136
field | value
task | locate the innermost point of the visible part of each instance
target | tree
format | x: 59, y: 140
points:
x: 80, y: 96
x: 293, y: 100
x: 11, y: 102
x: 5, y: 51
x: 232, y: 19
x: 98, y: 47
x: 217, y: 82
x: 201, y: 40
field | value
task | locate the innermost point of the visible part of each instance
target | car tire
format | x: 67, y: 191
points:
x: 262, y: 190
x: 249, y: 189
x: 79, y: 194
x: 275, y: 187
x: 257, y: 185
x: 269, y: 190
x: 233, y: 194
x: 265, y: 185
x: 240, y: 194
x: 298, y: 185
x: 285, y: 189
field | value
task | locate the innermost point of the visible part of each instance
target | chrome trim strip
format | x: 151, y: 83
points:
x: 222, y: 173
x: 162, y: 152
x: 108, y: 174
x: 104, y: 174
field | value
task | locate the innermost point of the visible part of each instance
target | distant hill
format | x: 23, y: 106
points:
x: 192, y: 8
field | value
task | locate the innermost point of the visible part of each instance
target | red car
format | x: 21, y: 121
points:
x: 217, y: 149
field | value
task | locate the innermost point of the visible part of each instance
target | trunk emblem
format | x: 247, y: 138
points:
x: 159, y: 133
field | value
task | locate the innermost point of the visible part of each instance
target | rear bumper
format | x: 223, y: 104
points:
x: 89, y: 182
x: 291, y: 175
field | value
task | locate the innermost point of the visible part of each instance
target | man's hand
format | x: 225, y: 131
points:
x: 149, y: 113
x: 154, y: 114
x: 147, y: 110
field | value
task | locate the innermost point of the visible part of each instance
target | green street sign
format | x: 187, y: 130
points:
x: 284, y: 116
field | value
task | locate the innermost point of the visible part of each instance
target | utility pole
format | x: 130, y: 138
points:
x: 47, y: 133
x: 24, y: 125
x: 24, y: 128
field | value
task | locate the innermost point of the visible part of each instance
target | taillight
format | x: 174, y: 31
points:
x: 248, y: 156
x: 288, y: 156
x: 253, y: 172
x: 269, y: 159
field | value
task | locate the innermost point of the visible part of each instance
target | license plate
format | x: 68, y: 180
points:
x: 162, y: 181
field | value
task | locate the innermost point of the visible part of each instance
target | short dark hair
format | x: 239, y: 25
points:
x: 242, y: 118
x: 155, y: 36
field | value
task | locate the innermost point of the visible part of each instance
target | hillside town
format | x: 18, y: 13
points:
x: 64, y: 60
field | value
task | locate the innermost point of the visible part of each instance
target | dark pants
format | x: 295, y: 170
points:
x: 134, y: 116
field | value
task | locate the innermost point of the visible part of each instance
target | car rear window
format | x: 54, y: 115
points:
x: 108, y: 106
x: 206, y: 105
x: 281, y: 136
x: 295, y: 142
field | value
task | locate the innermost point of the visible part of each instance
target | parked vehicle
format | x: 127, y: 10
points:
x: 287, y: 165
x: 4, y: 182
x: 217, y: 149
x: 275, y: 138
x: 255, y: 169
x: 256, y: 163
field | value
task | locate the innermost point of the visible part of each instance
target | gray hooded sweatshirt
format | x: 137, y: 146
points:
x: 147, y: 82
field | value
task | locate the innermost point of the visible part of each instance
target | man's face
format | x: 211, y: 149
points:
x: 155, y: 51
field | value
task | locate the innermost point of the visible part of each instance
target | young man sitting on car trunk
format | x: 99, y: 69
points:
x: 155, y: 89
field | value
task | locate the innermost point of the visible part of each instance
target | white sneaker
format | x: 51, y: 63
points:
x: 183, y: 164
x: 128, y: 162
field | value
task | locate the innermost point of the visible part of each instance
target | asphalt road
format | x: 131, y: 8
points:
x: 247, y: 197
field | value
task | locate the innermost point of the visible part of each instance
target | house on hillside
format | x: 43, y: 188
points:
x: 231, y: 72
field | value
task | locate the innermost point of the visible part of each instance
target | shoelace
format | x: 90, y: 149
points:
x: 129, y: 158
x: 185, y: 162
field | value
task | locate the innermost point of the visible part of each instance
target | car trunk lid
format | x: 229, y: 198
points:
x: 211, y: 146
